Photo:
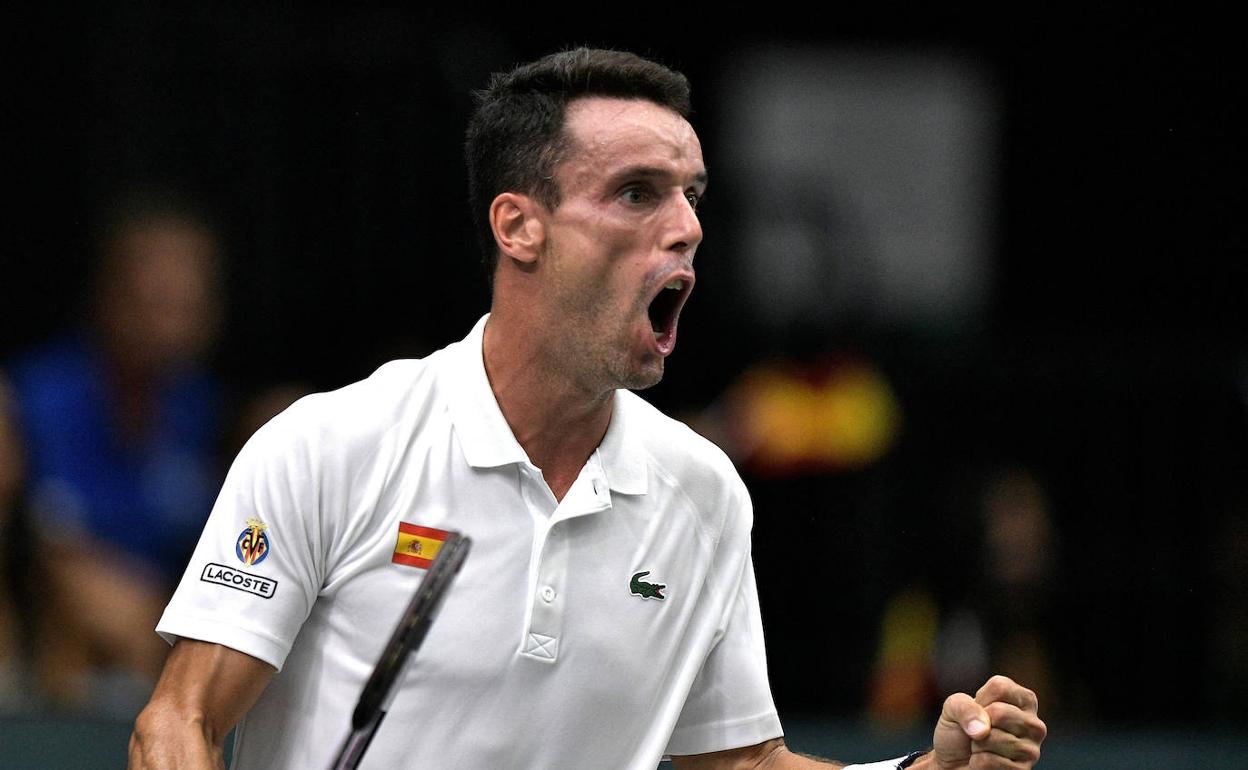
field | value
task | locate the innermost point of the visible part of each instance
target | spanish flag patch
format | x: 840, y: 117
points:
x: 417, y: 546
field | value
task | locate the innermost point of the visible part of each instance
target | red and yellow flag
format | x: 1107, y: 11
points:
x: 417, y: 546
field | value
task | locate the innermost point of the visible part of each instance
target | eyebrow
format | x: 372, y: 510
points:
x: 652, y: 172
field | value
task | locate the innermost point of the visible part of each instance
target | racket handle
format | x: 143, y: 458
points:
x: 356, y: 744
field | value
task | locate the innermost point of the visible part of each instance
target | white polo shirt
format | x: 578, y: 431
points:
x: 550, y: 651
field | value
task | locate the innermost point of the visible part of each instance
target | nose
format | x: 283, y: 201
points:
x: 685, y: 231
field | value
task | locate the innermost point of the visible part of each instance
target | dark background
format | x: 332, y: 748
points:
x: 1110, y: 358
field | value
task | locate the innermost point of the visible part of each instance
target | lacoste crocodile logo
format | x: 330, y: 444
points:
x: 646, y: 590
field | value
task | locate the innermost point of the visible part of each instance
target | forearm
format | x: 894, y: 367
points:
x: 788, y: 760
x: 774, y: 755
x: 168, y: 738
x: 202, y: 693
x: 768, y: 755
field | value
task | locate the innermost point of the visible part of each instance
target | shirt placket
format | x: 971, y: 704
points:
x: 549, y: 565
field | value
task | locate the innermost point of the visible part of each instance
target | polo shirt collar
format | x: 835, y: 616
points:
x: 621, y: 453
x: 483, y: 432
x: 487, y: 439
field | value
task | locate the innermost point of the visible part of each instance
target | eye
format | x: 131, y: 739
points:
x: 694, y: 199
x: 635, y: 194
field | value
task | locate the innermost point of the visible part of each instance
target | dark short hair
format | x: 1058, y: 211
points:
x: 515, y: 138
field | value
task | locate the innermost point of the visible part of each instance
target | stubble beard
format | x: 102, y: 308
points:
x: 605, y: 363
x: 639, y: 379
x: 602, y: 357
x: 606, y: 359
x: 618, y: 356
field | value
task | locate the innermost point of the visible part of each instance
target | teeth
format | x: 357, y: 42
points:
x: 677, y: 284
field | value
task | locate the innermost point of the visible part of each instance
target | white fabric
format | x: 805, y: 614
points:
x: 541, y: 656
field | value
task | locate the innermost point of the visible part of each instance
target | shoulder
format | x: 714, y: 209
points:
x: 356, y: 417
x: 673, y: 444
x: 57, y: 366
x: 680, y: 458
x: 57, y: 391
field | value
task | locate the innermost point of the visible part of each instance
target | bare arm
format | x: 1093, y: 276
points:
x: 769, y: 755
x: 1001, y: 721
x: 202, y: 693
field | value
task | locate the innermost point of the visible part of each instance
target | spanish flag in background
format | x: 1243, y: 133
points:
x: 417, y: 546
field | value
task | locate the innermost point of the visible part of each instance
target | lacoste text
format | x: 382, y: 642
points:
x: 232, y: 578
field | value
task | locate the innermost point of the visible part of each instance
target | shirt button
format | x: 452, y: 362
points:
x: 548, y: 594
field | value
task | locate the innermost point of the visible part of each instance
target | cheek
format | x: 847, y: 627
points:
x: 607, y: 267
x: 601, y: 265
x: 622, y: 250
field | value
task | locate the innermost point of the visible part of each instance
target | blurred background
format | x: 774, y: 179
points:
x: 971, y: 318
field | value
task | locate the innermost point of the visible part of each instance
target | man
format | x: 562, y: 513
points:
x: 120, y: 421
x: 607, y: 615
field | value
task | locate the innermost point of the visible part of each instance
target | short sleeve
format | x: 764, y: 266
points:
x: 257, y: 568
x: 730, y: 703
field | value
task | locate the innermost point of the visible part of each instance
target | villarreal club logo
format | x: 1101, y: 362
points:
x: 253, y: 544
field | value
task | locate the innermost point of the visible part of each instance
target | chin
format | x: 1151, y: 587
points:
x: 643, y: 377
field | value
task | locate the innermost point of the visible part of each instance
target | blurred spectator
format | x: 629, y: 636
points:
x: 22, y: 615
x: 1001, y: 624
x: 1020, y: 572
x: 121, y: 424
x: 903, y: 685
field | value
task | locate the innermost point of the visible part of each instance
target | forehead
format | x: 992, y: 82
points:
x: 607, y: 133
x: 170, y: 250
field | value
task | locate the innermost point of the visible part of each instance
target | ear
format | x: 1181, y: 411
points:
x: 518, y: 227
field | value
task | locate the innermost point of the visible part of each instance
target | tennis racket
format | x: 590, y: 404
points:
x: 381, y: 686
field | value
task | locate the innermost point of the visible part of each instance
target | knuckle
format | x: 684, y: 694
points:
x: 995, y: 685
x: 953, y: 702
x: 1029, y: 696
x: 986, y: 761
x: 1042, y: 730
x: 1030, y: 753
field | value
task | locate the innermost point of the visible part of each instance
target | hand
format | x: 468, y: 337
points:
x: 999, y: 728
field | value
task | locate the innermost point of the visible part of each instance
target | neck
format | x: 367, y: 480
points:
x: 557, y: 421
x: 133, y: 390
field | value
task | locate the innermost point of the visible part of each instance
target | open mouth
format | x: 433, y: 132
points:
x: 665, y: 309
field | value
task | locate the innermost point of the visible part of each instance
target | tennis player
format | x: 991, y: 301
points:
x: 607, y: 615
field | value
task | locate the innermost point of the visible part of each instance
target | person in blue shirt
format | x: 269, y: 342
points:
x: 121, y: 422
